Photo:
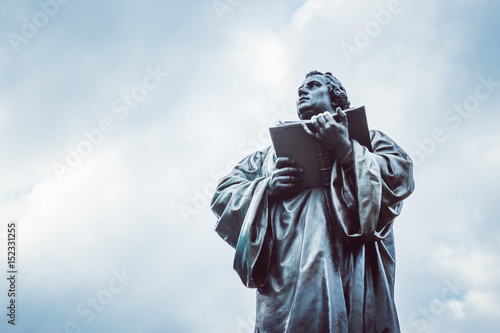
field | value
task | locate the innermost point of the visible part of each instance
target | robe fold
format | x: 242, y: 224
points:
x: 323, y: 259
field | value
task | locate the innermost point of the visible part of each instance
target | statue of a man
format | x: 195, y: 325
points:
x: 322, y: 259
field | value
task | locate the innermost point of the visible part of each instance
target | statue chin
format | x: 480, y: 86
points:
x: 306, y: 114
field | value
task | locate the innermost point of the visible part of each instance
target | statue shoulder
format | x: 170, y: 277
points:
x: 257, y: 161
x: 382, y: 143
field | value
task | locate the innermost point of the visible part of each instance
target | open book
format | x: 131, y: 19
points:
x: 290, y: 140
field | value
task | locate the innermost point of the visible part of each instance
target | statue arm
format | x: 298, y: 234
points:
x: 368, y: 188
x: 241, y: 206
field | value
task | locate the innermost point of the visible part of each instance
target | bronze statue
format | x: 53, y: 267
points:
x: 322, y: 259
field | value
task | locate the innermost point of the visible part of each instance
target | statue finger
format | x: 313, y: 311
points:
x: 322, y: 122
x: 312, y: 134
x: 329, y: 117
x: 291, y: 179
x: 288, y: 171
x: 342, y: 115
x: 315, y: 123
x: 285, y: 186
x: 283, y: 162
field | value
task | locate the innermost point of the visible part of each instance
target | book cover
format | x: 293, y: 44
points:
x: 290, y: 140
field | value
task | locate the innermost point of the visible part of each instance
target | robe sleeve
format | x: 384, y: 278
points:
x: 241, y: 206
x: 367, y: 195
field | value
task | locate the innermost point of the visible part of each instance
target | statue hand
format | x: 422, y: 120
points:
x: 285, y: 177
x: 332, y: 133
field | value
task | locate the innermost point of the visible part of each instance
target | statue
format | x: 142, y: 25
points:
x: 321, y: 259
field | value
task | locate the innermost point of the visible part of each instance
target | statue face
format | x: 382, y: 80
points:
x: 313, y: 97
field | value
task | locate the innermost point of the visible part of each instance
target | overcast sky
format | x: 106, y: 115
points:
x: 118, y: 117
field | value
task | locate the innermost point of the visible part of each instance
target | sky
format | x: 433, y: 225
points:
x: 117, y: 118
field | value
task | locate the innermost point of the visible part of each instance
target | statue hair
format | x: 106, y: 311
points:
x: 336, y: 90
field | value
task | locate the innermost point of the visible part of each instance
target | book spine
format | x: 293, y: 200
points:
x: 326, y: 163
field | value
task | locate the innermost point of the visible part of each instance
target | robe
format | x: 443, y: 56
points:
x: 323, y: 259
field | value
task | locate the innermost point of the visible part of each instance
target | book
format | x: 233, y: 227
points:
x: 290, y: 140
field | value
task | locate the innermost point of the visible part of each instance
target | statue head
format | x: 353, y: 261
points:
x: 320, y: 92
